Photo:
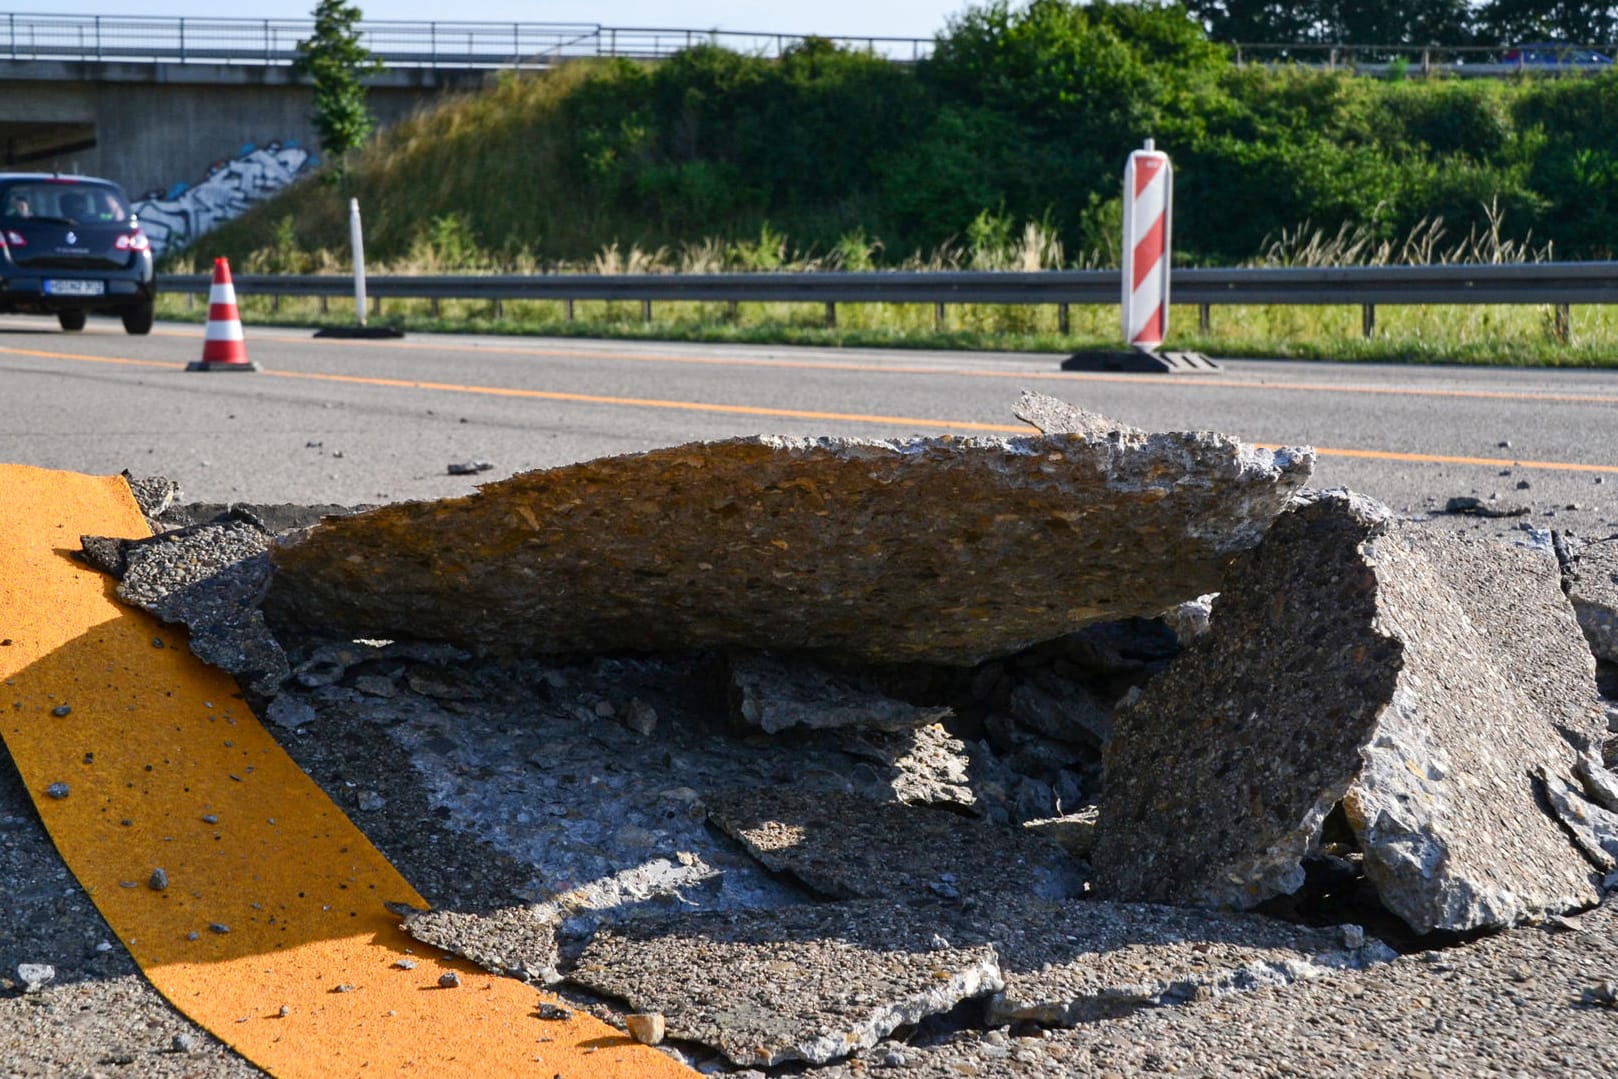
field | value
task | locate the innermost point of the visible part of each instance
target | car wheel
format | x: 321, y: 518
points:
x: 138, y: 319
x: 72, y: 321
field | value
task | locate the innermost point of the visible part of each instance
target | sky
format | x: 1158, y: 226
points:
x: 833, y: 18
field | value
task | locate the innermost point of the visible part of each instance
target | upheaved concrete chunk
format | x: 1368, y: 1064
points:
x: 1420, y: 679
x: 1593, y: 588
x: 945, y: 550
x: 1077, y: 962
x: 774, y: 693
x: 807, y: 983
x: 846, y: 847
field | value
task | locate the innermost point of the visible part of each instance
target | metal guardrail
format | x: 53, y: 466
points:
x: 42, y: 36
x: 1463, y: 60
x: 1516, y: 283
x: 395, y: 43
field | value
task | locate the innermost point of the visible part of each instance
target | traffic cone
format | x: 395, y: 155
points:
x: 222, y: 346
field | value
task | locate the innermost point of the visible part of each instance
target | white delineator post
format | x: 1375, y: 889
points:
x: 356, y: 239
x: 1148, y: 202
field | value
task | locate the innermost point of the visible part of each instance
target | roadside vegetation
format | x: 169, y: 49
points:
x: 1004, y: 150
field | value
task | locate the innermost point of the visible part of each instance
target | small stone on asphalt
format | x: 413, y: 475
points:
x: 57, y: 790
x: 159, y: 880
x: 449, y: 980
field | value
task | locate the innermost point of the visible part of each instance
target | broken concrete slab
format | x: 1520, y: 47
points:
x: 1418, y: 678
x: 517, y: 941
x: 774, y: 693
x: 1593, y: 589
x: 942, y: 550
x: 806, y: 983
x: 209, y: 578
x: 845, y: 846
x: 1079, y: 962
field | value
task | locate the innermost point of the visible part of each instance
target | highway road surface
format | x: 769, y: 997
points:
x: 374, y: 421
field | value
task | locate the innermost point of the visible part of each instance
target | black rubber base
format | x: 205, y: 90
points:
x: 1141, y: 359
x: 216, y: 365
x: 370, y: 332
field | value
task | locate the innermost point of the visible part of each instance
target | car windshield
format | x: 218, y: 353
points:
x: 74, y: 203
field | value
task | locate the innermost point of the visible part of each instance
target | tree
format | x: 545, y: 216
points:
x: 1508, y: 21
x: 334, y: 61
x: 1346, y: 22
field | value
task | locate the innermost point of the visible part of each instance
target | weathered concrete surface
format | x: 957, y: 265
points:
x: 1077, y: 962
x: 210, y: 578
x: 518, y: 941
x: 848, y: 847
x: 944, y: 550
x: 775, y: 693
x: 1593, y: 589
x: 1420, y: 679
x: 810, y: 983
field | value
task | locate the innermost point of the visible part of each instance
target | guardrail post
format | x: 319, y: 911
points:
x: 1367, y: 320
x: 831, y: 314
x: 1064, y: 324
x: 1204, y: 317
x: 567, y: 309
x: 497, y: 308
x: 1563, y: 328
x: 938, y: 317
x: 733, y: 310
x: 646, y: 311
x: 432, y: 306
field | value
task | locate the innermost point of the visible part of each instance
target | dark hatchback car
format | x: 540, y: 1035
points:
x: 70, y: 246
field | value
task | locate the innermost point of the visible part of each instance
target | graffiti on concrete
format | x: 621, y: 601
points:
x: 177, y: 216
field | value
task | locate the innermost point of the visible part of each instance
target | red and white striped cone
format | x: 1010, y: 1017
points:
x: 222, y: 346
x: 1148, y: 202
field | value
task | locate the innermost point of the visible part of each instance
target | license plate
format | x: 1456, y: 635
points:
x: 75, y: 288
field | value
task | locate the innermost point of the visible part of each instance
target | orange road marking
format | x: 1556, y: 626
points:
x: 971, y: 372
x: 271, y: 930
x: 835, y: 417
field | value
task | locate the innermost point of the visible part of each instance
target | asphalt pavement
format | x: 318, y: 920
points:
x: 333, y: 421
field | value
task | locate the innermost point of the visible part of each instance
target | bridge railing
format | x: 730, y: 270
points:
x: 397, y: 43
x: 1557, y: 284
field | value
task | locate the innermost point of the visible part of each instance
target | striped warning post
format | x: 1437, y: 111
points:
x: 1148, y: 201
x: 223, y: 348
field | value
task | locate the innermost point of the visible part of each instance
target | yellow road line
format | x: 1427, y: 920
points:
x: 271, y: 931
x: 930, y: 423
x: 964, y: 372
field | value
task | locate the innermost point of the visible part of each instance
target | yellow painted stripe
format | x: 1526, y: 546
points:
x: 1217, y: 384
x: 929, y: 423
x: 166, y: 767
x: 964, y: 372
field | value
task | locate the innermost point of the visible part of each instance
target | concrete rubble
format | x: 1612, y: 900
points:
x: 1430, y: 685
x: 774, y: 693
x: 844, y: 846
x: 802, y: 983
x: 941, y: 550
x: 837, y: 754
x: 1592, y: 586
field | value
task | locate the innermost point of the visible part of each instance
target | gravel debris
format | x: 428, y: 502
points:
x: 35, y: 976
x: 648, y: 1028
x: 159, y: 880
x: 58, y: 791
x: 449, y: 980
